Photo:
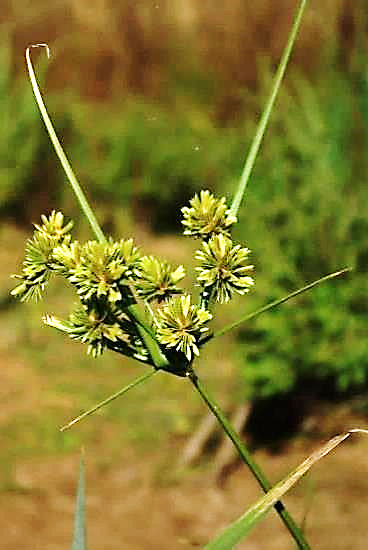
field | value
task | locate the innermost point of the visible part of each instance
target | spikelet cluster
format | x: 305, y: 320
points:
x: 112, y: 276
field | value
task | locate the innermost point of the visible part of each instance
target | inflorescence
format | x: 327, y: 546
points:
x: 111, y: 276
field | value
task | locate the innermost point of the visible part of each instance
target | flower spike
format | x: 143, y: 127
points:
x: 223, y: 268
x: 53, y: 225
x: 207, y: 216
x: 99, y: 269
x: 158, y: 280
x: 38, y: 262
x: 181, y: 323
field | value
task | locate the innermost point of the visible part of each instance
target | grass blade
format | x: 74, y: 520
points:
x: 252, y: 155
x: 79, y: 537
x: 84, y: 204
x: 278, y: 302
x: 242, y: 526
x: 108, y: 400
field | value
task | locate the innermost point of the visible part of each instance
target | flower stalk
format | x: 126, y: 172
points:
x: 248, y: 459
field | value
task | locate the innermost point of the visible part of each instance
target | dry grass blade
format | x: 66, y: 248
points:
x: 241, y: 527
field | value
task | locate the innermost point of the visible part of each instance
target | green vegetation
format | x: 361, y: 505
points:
x: 312, y: 177
x: 21, y: 136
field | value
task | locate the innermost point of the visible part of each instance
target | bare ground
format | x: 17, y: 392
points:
x: 129, y: 507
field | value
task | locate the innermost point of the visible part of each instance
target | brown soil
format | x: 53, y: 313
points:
x: 128, y: 508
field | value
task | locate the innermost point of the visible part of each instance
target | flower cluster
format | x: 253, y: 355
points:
x: 223, y: 268
x: 206, y: 216
x: 39, y: 256
x: 106, y: 275
x: 158, y: 279
x: 112, y: 277
x: 111, y: 329
x: 181, y: 323
x: 87, y: 327
x: 99, y: 269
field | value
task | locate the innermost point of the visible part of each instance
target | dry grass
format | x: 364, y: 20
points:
x: 110, y: 49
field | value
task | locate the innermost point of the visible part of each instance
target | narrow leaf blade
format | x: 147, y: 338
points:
x: 112, y: 397
x: 79, y: 537
x: 81, y: 197
x: 278, y: 302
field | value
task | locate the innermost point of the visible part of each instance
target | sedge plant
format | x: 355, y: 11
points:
x: 132, y: 303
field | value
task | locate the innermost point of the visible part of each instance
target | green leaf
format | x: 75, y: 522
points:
x: 240, y: 528
x: 79, y: 538
x: 252, y: 155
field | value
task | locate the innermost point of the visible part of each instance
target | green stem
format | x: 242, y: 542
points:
x: 148, y: 336
x: 108, y: 400
x: 248, y: 459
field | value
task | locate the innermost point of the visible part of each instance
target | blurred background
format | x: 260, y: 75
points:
x: 155, y: 100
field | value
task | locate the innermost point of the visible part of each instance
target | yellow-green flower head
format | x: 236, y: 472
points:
x: 223, y: 268
x: 101, y: 269
x: 158, y: 279
x: 181, y: 323
x: 53, y: 225
x: 206, y: 216
x: 90, y: 328
x: 38, y: 261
